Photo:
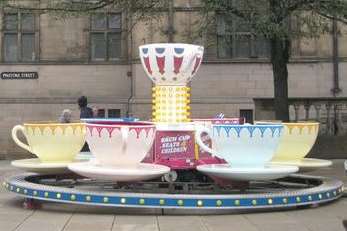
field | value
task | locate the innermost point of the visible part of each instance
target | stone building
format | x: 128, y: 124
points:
x: 97, y: 56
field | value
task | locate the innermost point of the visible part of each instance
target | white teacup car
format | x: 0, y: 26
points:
x: 118, y: 143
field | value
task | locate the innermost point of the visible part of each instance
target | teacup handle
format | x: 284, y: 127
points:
x: 124, y: 133
x: 15, y: 129
x: 198, y: 133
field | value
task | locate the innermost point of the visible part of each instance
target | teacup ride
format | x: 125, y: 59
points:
x: 247, y: 150
x: 126, y: 169
x: 87, y: 155
x: 118, y: 148
x: 55, y: 145
x: 297, y: 141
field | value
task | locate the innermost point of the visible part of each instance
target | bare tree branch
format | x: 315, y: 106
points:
x: 85, y: 6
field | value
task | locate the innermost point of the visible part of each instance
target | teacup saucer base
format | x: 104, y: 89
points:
x: 306, y: 164
x: 35, y: 165
x: 142, y: 171
x: 225, y: 171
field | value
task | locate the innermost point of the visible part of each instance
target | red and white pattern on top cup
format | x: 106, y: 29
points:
x: 197, y: 64
x: 160, y: 57
x: 146, y: 61
x: 171, y: 63
x: 178, y: 59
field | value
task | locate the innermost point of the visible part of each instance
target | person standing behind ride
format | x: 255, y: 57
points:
x: 85, y: 113
x: 65, y: 116
x: 95, y: 112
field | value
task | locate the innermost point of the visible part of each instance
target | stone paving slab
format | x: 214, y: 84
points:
x: 65, y: 217
x: 45, y: 220
x: 228, y: 223
x: 136, y: 223
x: 11, y: 220
x: 274, y: 221
x: 180, y: 223
x: 90, y: 222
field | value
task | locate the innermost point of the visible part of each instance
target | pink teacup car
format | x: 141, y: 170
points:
x: 116, y: 143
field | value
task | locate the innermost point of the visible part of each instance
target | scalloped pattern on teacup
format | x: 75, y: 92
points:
x: 98, y: 130
x: 251, y: 130
x: 301, y: 129
x: 55, y: 129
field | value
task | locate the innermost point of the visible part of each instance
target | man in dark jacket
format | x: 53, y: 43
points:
x: 86, y: 112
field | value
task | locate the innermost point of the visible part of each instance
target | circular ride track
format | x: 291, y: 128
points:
x: 192, y: 197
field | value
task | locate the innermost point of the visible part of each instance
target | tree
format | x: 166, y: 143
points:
x: 271, y: 19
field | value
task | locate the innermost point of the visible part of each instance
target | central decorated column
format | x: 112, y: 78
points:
x: 171, y: 66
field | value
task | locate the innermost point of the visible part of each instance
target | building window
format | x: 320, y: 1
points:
x: 105, y: 37
x: 113, y: 113
x: 247, y: 114
x: 101, y: 113
x: 235, y: 40
x: 19, y: 37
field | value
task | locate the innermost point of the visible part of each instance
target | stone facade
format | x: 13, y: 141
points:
x: 66, y: 72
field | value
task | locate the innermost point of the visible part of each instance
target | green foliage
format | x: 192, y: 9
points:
x: 139, y: 9
x: 285, y: 19
x: 281, y: 19
x: 135, y: 10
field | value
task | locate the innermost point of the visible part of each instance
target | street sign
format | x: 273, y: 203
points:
x: 19, y: 75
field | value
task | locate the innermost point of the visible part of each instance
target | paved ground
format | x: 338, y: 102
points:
x: 58, y: 217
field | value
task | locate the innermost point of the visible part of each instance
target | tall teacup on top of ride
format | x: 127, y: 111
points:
x: 171, y: 66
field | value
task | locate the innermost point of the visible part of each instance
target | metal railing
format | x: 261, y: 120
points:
x: 330, y: 112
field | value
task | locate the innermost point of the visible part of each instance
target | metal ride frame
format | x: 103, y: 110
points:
x: 293, y: 191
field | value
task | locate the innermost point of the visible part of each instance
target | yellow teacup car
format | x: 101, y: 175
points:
x: 297, y: 141
x: 52, y: 142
